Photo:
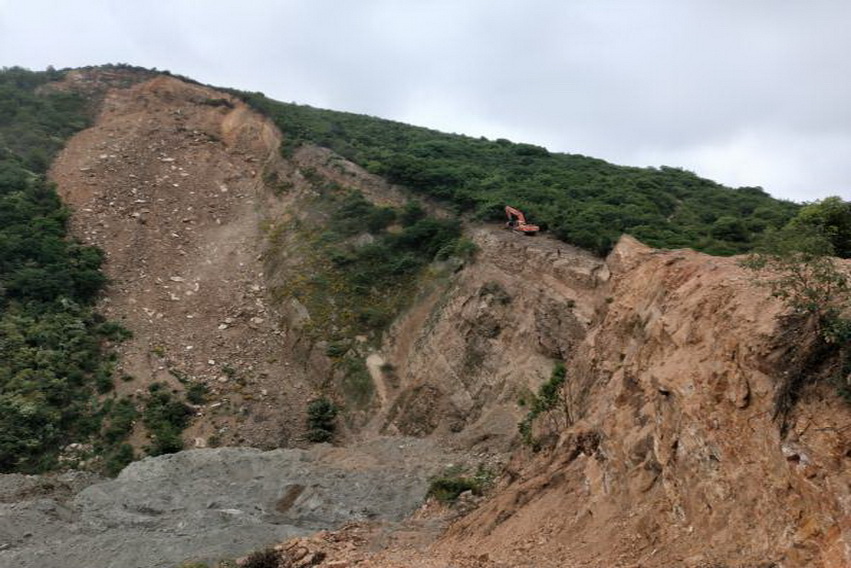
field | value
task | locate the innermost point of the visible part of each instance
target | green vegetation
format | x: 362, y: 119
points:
x: 448, y: 487
x: 56, y: 364
x: 321, y: 420
x: 356, y: 386
x: 56, y: 371
x: 53, y: 348
x: 196, y: 393
x: 582, y: 200
x: 359, y: 273
x: 267, y: 558
x: 830, y: 217
x: 165, y: 416
x: 553, y: 400
x: 797, y: 264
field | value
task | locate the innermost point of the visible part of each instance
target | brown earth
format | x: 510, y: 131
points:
x: 170, y: 188
x: 673, y: 457
x: 675, y: 460
x: 180, y: 185
x: 474, y: 346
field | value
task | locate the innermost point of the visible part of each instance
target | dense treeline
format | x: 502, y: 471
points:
x: 53, y: 356
x: 582, y: 200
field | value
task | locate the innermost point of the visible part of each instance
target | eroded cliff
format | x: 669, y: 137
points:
x: 677, y: 459
x: 673, y: 458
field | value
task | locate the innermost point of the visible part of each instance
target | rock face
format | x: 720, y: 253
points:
x: 465, y: 355
x: 212, y: 504
x: 676, y: 459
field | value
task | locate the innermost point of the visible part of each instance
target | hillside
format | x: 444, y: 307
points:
x: 265, y: 291
x: 585, y: 201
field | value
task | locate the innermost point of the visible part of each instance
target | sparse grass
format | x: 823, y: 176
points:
x: 357, y: 385
x: 356, y: 275
x: 449, y: 486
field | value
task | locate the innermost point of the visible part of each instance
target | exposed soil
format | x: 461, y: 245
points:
x: 168, y: 183
x: 672, y: 457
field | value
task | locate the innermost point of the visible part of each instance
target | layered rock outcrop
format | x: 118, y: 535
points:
x: 677, y: 459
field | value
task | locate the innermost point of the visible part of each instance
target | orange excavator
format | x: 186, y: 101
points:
x: 517, y: 222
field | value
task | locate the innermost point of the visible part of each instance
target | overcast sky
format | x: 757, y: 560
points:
x: 745, y: 92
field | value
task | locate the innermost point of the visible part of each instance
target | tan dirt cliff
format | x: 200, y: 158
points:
x: 673, y: 357
x: 676, y: 460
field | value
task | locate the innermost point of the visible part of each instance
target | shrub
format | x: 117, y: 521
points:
x: 165, y: 416
x: 795, y: 263
x: 357, y: 385
x: 553, y: 400
x: 449, y: 486
x: 447, y: 489
x: 337, y: 349
x: 321, y: 420
x: 268, y: 558
x: 118, y: 460
x: 196, y: 393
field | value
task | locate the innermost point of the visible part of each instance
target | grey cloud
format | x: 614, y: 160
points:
x: 749, y: 93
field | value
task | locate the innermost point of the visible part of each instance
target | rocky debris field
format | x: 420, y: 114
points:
x: 205, y: 505
x: 168, y: 182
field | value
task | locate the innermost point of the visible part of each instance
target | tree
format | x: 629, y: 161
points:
x: 729, y: 229
x: 321, y: 420
x: 831, y: 216
x: 797, y: 265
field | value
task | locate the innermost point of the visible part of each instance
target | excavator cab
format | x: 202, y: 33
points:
x: 517, y: 222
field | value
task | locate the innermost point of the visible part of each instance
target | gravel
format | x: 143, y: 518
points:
x: 205, y: 505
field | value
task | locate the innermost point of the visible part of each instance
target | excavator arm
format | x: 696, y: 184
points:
x: 517, y: 222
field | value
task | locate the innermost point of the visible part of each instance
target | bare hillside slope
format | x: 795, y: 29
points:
x: 673, y: 357
x: 676, y: 460
x: 168, y: 183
